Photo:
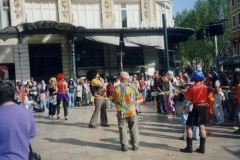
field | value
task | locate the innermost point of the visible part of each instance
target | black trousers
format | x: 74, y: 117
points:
x: 52, y: 109
x: 65, y: 107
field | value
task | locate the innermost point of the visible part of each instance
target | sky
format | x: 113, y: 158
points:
x: 180, y: 5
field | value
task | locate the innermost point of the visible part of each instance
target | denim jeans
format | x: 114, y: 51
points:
x: 184, y: 117
x: 71, y: 100
x: 238, y: 116
x: 43, y: 103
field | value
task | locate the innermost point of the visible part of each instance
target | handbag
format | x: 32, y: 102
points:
x: 33, y: 155
x: 190, y: 107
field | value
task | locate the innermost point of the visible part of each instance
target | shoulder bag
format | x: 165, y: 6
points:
x: 32, y: 155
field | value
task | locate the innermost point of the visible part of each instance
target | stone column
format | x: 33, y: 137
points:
x: 17, y: 11
x: 107, y: 13
x: 65, y: 11
x: 148, y: 9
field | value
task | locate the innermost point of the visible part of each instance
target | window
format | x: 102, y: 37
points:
x: 160, y: 9
x: 238, y: 1
x: 37, y: 10
x: 4, y: 14
x: 233, y: 21
x: 87, y: 14
x: 89, y: 53
x: 127, y: 15
x: 233, y: 3
x: 133, y: 56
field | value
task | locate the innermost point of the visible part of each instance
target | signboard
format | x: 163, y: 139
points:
x: 4, y: 72
x: 151, y: 71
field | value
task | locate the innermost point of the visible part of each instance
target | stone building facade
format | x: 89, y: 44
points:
x: 43, y: 54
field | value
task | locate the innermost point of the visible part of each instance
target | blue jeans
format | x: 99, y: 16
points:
x: 184, y: 117
x: 238, y: 116
x: 43, y: 103
x: 71, y: 102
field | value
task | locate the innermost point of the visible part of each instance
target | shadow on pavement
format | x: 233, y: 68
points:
x: 82, y: 143
x: 144, y: 144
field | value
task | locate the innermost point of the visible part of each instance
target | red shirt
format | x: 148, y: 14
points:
x: 62, y: 86
x: 197, y: 93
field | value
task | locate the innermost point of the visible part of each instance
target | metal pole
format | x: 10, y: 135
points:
x: 73, y: 57
x: 20, y: 56
x: 216, y: 53
x: 165, y: 41
x: 121, y: 61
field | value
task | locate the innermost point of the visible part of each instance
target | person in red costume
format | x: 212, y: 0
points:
x: 197, y: 94
x: 62, y: 88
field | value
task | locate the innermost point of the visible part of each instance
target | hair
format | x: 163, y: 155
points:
x: 189, y: 69
x: 7, y: 91
x: 91, y: 74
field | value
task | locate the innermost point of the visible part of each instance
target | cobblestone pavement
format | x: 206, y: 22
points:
x: 73, y: 140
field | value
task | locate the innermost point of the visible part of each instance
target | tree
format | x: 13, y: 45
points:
x: 203, y: 51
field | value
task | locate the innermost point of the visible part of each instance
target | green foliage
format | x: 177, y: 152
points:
x: 203, y: 51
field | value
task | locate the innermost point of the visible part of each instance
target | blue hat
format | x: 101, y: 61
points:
x: 197, y: 75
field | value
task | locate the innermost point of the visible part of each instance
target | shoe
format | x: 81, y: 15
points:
x: 231, y: 119
x: 170, y: 116
x: 54, y: 116
x: 66, y: 118
x: 92, y: 126
x: 124, y: 149
x: 189, y: 148
x: 49, y: 116
x: 105, y: 125
x: 237, y: 131
x: 220, y: 122
x: 201, y: 148
x: 58, y: 116
x: 183, y: 138
x: 236, y: 128
x: 135, y: 148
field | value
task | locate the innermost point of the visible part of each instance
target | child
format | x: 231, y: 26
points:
x: 42, y: 97
x: 217, y: 104
x: 185, y: 110
x: 29, y: 103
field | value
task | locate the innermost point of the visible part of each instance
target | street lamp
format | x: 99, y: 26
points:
x: 213, y: 28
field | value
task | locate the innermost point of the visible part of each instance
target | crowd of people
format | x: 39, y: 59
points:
x: 205, y: 98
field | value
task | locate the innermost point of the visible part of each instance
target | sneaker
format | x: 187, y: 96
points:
x: 49, y: 116
x: 135, y: 148
x: 220, y: 122
x: 58, y: 117
x: 235, y: 127
x: 66, y: 118
x: 54, y: 116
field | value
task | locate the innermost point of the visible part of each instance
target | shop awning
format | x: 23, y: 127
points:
x: 131, y: 36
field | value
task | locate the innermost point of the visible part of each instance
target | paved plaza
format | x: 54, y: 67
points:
x: 73, y: 140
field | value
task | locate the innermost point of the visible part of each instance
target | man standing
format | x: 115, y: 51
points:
x: 124, y: 96
x: 197, y: 95
x: 97, y: 90
x: 157, y: 86
x: 17, y: 125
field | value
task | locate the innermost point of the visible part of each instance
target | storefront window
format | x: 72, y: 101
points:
x: 126, y: 15
x: 89, y: 54
x: 41, y: 10
x: 233, y: 21
x: 4, y: 14
x: 86, y: 14
x: 133, y: 56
